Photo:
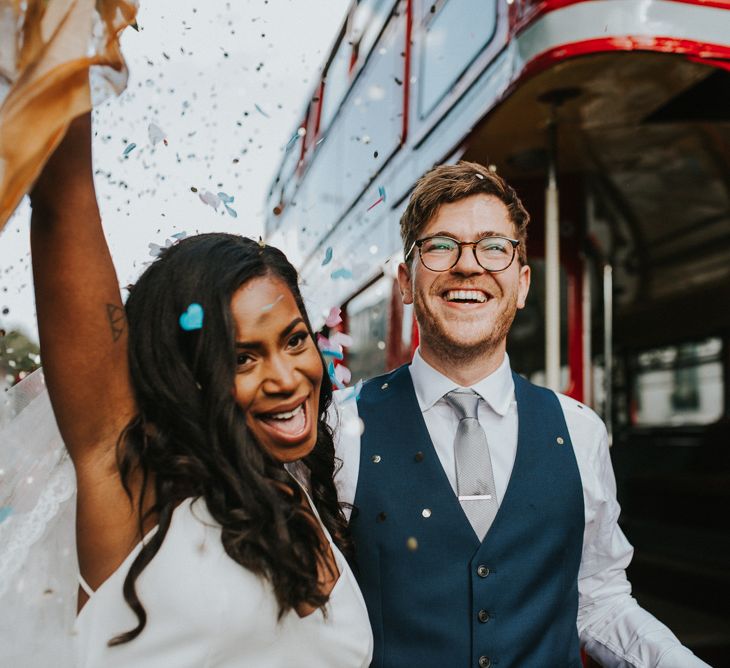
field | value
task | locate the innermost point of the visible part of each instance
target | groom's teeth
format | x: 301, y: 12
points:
x: 466, y: 296
x: 288, y: 414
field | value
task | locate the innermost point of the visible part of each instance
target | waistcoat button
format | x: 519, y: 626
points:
x: 482, y: 571
x: 483, y: 616
x: 485, y: 662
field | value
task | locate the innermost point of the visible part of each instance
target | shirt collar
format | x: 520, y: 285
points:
x: 497, y: 389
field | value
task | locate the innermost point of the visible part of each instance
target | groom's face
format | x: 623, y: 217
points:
x: 450, y: 326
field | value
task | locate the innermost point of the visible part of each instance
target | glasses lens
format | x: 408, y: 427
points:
x: 495, y: 253
x: 439, y: 253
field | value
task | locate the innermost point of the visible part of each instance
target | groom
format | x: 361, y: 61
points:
x: 484, y: 507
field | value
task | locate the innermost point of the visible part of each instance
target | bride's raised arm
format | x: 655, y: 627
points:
x: 83, y: 339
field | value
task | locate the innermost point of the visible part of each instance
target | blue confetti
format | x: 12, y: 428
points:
x: 338, y: 355
x: 225, y: 198
x: 192, y: 318
x: 261, y: 111
x: 381, y: 192
x: 292, y: 141
x: 341, y: 273
x: 231, y: 211
x: 5, y: 512
x: 327, y: 256
x: 129, y: 149
x: 268, y: 307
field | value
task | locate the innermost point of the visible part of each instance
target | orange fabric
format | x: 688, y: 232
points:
x: 48, y: 49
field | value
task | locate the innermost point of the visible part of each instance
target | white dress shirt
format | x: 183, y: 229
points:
x: 613, y: 628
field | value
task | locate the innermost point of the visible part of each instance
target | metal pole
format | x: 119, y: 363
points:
x: 552, y: 268
x: 608, y: 348
x: 587, y: 334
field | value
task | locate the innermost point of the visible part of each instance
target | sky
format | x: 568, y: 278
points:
x: 226, y: 83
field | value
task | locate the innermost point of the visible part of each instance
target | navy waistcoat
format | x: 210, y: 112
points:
x: 436, y: 597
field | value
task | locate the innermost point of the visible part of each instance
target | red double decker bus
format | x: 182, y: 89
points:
x: 611, y: 118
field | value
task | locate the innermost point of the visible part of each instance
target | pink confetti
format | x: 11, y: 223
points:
x: 340, y: 339
x: 343, y: 374
x: 334, y: 318
x: 209, y: 198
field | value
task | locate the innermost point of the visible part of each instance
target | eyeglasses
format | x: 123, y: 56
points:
x: 441, y: 253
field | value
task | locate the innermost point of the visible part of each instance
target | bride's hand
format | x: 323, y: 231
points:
x: 67, y: 178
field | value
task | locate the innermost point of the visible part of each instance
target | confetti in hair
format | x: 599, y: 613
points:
x: 192, y: 319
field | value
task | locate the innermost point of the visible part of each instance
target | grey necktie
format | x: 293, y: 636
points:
x: 474, y: 477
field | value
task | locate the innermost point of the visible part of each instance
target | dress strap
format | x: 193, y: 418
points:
x: 85, y: 586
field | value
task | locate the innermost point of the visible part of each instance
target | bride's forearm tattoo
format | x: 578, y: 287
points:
x: 117, y: 320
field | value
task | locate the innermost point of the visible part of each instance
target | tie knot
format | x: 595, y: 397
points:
x: 464, y: 402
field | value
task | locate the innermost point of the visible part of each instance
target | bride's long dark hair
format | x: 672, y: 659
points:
x: 190, y: 438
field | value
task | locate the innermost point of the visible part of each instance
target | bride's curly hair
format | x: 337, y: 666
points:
x: 190, y: 438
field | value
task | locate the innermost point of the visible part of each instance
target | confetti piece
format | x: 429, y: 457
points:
x: 180, y: 236
x: 333, y: 376
x: 343, y: 374
x: 351, y: 394
x: 192, y: 318
x: 340, y: 339
x: 225, y: 198
x: 209, y: 198
x: 341, y: 273
x: 327, y: 256
x: 231, y: 211
x: 381, y: 198
x: 292, y: 140
x: 155, y: 249
x: 5, y: 512
x: 129, y: 149
x: 334, y: 318
x: 331, y: 352
x: 322, y: 342
x: 268, y: 307
x: 156, y: 134
x: 261, y: 111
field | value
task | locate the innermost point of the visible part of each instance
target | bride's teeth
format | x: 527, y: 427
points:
x: 288, y: 414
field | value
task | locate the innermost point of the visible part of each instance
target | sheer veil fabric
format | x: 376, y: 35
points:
x: 57, y: 59
x: 38, y: 564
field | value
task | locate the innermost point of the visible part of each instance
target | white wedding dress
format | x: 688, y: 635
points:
x: 204, y: 609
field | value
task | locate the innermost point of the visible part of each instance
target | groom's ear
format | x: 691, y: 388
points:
x: 405, y: 283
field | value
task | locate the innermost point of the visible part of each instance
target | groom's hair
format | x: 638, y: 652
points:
x: 451, y: 183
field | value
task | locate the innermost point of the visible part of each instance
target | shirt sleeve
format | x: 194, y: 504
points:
x: 346, y: 424
x: 613, y: 628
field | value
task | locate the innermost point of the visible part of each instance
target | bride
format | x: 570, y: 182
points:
x: 183, y: 413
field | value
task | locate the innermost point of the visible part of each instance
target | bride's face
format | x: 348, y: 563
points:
x: 278, y: 368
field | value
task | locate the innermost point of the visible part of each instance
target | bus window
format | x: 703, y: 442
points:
x: 367, y: 22
x: 367, y: 316
x: 454, y: 37
x: 678, y: 385
x: 336, y: 82
x: 372, y: 119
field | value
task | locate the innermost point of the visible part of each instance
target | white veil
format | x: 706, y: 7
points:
x: 38, y: 563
